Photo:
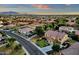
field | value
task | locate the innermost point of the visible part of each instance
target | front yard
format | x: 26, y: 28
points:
x: 40, y: 42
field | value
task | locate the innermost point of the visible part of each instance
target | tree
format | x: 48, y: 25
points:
x: 7, y: 45
x: 56, y: 27
x: 61, y: 21
x: 56, y: 47
x: 77, y: 21
x: 3, y: 34
x: 39, y: 31
x: 10, y: 40
x: 17, y: 47
x: 45, y: 27
x: 51, y: 26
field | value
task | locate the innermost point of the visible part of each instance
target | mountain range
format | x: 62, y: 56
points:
x: 37, y: 13
x: 9, y: 13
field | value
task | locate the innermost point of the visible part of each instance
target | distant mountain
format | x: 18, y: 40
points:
x: 9, y: 13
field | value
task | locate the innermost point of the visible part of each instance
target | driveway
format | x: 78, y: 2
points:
x: 72, y: 50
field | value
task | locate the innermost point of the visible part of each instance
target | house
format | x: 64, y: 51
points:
x: 77, y: 33
x: 1, y: 24
x: 25, y: 30
x: 22, y: 23
x: 71, y: 22
x: 0, y: 37
x: 50, y: 21
x: 72, y: 50
x: 66, y: 29
x: 10, y: 25
x: 53, y: 36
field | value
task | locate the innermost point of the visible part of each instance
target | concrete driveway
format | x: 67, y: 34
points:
x: 72, y: 50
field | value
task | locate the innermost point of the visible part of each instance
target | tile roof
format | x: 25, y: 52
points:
x: 25, y: 29
x: 77, y: 32
x: 56, y: 34
x: 65, y: 28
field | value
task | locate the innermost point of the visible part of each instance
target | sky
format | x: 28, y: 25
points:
x: 40, y: 8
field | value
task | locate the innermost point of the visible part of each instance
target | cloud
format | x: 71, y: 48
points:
x: 67, y: 4
x: 40, y: 6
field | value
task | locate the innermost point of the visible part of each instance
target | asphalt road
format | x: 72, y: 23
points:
x: 32, y: 50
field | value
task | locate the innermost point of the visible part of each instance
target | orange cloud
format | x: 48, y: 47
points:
x: 41, y: 6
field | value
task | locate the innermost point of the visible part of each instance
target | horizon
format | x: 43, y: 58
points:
x: 41, y: 8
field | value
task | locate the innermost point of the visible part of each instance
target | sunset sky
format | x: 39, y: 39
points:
x: 45, y: 8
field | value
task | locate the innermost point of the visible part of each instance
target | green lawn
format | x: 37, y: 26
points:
x: 42, y: 43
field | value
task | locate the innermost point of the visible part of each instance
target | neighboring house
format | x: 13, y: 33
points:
x: 66, y: 29
x: 1, y: 23
x: 50, y: 21
x: 10, y: 25
x: 22, y: 23
x: 71, y: 22
x: 1, y: 37
x: 52, y: 36
x: 72, y: 50
x: 26, y: 30
x: 77, y: 33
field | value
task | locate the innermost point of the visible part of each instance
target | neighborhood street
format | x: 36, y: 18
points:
x: 32, y: 49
